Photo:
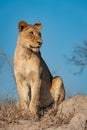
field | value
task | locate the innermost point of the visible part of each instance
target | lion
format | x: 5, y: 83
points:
x: 36, y: 86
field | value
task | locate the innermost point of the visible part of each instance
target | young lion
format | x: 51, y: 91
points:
x: 36, y: 86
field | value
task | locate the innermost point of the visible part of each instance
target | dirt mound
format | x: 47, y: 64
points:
x: 71, y: 114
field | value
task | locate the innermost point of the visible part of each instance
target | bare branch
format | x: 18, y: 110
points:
x: 79, y: 57
x: 8, y: 61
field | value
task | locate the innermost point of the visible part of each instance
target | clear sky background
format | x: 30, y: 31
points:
x: 64, y: 26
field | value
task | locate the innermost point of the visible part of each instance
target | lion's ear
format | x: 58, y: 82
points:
x: 22, y: 25
x: 38, y: 25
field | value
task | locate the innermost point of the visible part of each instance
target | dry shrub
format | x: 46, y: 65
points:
x: 7, y: 111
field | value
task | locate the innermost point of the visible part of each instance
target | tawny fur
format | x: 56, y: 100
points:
x: 36, y: 86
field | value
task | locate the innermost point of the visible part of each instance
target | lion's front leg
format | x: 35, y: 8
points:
x: 23, y: 93
x: 35, y: 96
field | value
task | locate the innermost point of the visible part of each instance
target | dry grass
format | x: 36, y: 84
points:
x: 49, y: 117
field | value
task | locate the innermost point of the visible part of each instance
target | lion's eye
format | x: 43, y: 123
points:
x: 31, y: 33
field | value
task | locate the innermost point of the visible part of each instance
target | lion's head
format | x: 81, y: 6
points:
x: 30, y: 35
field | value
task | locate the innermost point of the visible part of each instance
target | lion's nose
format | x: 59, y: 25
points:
x: 40, y: 42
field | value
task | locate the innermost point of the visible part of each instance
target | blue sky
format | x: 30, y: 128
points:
x: 64, y: 26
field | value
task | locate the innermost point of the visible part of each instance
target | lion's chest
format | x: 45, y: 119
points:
x: 32, y: 67
x: 28, y: 65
